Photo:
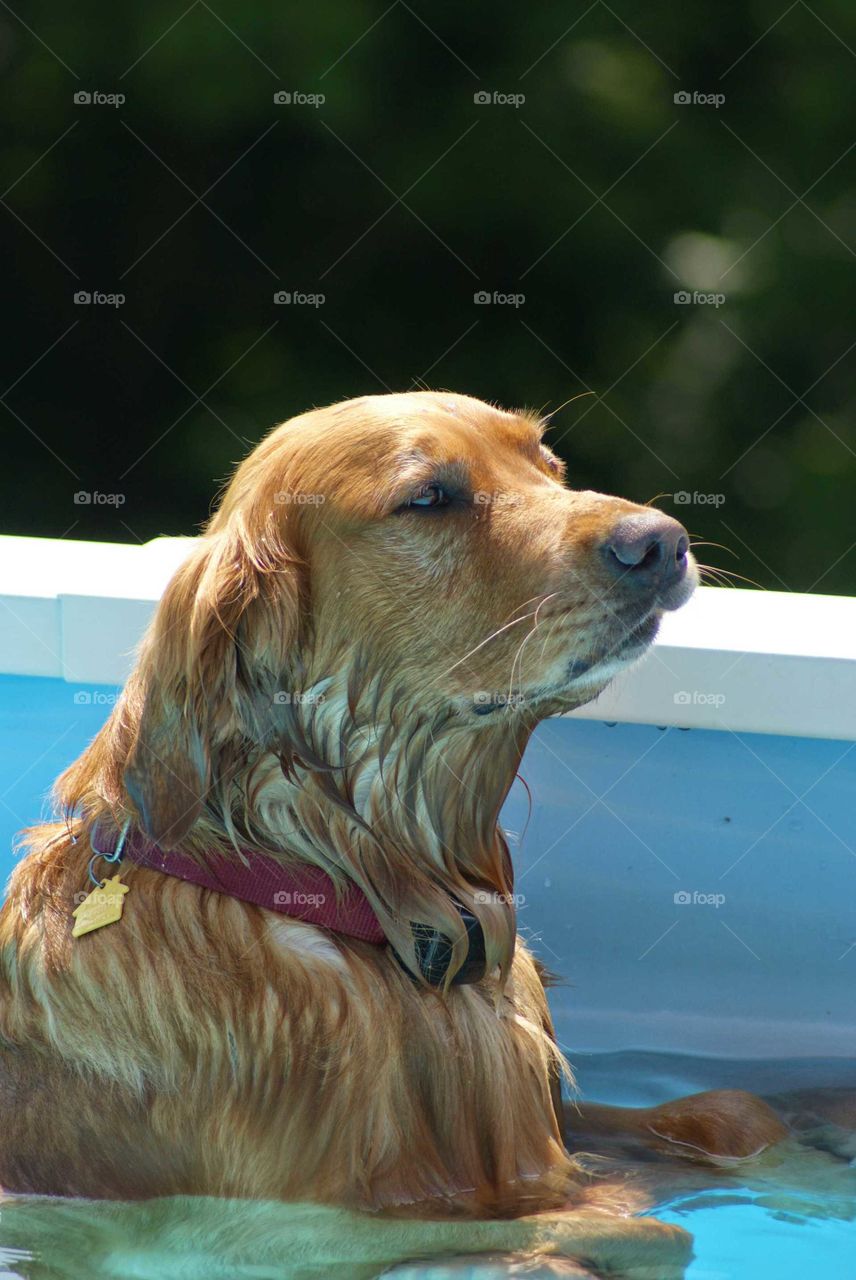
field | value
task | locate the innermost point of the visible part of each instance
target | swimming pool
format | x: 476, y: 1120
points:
x: 689, y: 865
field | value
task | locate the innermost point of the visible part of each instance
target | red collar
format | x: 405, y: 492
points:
x: 303, y: 892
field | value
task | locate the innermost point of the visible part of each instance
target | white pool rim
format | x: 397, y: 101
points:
x: 745, y: 661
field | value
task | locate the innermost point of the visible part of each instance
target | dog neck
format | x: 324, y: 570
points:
x: 400, y: 801
x: 410, y: 815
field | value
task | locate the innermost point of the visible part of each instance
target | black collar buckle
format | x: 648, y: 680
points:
x: 434, y: 952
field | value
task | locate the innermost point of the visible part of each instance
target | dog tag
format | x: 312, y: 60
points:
x: 101, y: 906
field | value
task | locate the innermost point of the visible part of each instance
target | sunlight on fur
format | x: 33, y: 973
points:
x: 344, y: 674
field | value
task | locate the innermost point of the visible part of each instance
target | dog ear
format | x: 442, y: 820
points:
x: 211, y: 664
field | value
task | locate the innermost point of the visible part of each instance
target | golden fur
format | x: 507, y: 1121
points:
x: 307, y: 687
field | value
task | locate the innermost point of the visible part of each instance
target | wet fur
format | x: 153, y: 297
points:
x: 205, y: 1047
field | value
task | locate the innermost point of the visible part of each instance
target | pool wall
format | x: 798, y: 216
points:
x: 689, y: 864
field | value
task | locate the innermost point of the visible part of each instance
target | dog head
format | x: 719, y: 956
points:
x: 385, y: 582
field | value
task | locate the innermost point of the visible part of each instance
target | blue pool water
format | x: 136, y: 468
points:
x: 696, y: 889
x: 801, y: 1223
x: 735, y: 1240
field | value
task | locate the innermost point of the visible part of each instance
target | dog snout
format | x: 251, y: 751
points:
x: 648, y: 550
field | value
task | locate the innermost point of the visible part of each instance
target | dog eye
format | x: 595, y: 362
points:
x: 430, y: 495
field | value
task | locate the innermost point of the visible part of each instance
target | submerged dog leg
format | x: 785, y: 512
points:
x: 193, y: 1237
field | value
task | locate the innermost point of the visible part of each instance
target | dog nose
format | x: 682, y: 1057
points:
x: 647, y: 549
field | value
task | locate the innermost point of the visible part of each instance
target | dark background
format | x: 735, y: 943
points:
x: 598, y: 198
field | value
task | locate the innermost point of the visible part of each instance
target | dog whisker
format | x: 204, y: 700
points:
x: 518, y: 657
x: 493, y: 635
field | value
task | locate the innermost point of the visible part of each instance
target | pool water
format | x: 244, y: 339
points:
x: 796, y: 1221
x: 802, y: 1222
x: 601, y: 908
x: 737, y: 1238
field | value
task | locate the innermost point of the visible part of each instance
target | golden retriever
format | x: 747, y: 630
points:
x: 339, y: 684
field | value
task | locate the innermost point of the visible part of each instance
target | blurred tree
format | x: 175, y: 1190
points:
x: 595, y: 162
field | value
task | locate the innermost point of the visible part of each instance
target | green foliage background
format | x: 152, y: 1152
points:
x: 597, y: 198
